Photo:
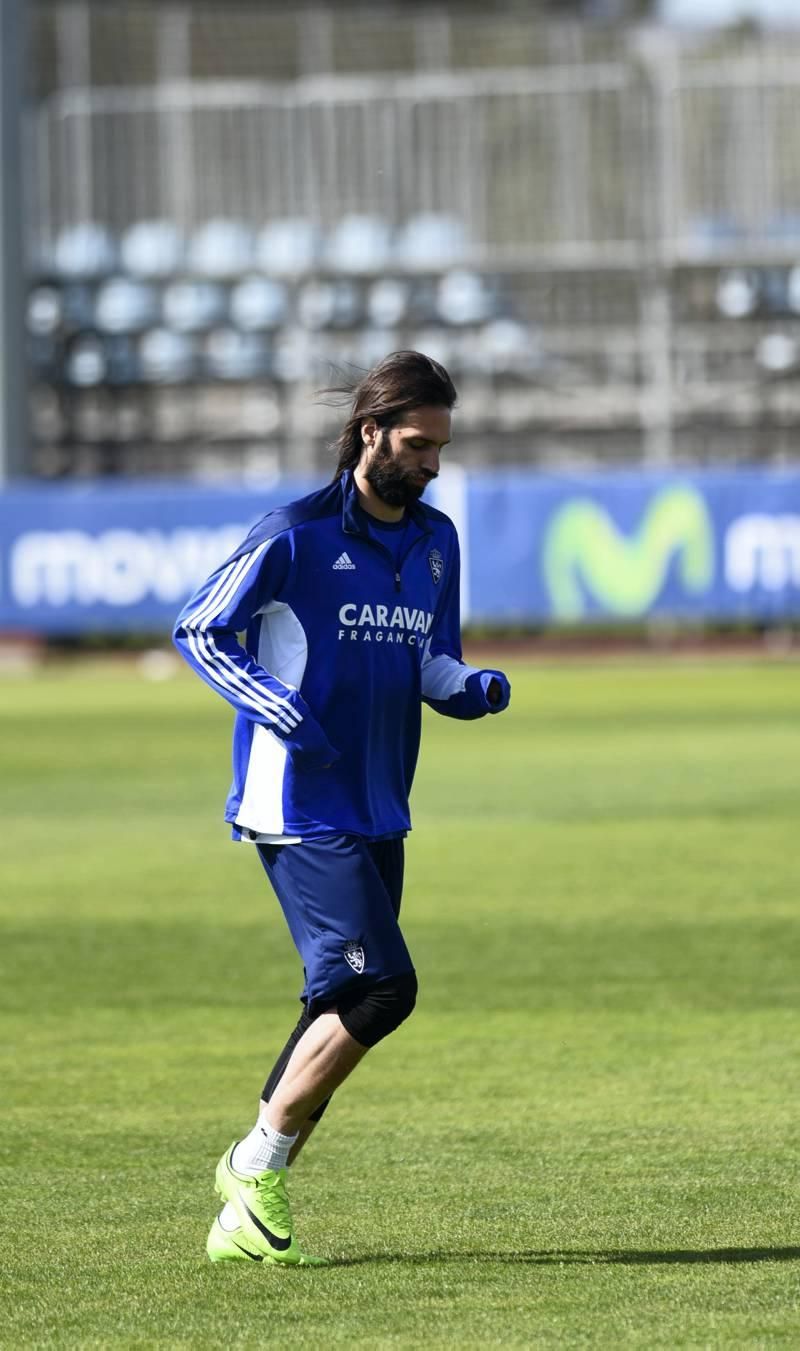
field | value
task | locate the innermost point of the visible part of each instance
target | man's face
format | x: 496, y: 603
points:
x: 402, y: 460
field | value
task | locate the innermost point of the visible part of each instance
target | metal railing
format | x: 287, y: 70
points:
x: 607, y: 178
x: 534, y: 163
x: 586, y: 164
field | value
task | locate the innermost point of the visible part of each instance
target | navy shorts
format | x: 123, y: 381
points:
x: 341, y: 899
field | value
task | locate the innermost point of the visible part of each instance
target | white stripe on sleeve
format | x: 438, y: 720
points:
x: 226, y: 588
x: 204, y: 659
x: 206, y: 607
x: 223, y: 671
x: 248, y: 684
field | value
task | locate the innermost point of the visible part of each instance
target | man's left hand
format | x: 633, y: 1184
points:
x: 496, y: 690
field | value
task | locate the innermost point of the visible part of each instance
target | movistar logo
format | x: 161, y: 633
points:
x: 584, y: 552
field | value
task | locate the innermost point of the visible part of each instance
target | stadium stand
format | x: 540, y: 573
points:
x: 568, y: 217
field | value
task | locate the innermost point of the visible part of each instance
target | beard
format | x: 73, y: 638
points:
x: 395, y: 486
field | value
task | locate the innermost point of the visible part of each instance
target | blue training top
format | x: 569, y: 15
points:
x: 342, y: 643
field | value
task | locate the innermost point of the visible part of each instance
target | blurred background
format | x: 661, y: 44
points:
x: 590, y: 212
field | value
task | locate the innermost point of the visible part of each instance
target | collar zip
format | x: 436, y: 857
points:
x: 354, y: 523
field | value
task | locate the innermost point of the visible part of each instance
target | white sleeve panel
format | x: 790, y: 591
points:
x: 443, y: 676
x: 261, y: 807
x: 282, y: 644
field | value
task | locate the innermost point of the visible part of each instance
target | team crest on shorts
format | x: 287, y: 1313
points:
x: 437, y: 565
x: 354, y: 956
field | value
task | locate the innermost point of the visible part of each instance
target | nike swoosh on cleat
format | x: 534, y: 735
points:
x: 254, y: 1257
x: 279, y: 1244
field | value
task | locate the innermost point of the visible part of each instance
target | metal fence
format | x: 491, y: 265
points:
x: 554, y: 162
x: 591, y: 164
x: 601, y: 198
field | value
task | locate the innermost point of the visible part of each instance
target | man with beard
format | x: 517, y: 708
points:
x: 349, y: 601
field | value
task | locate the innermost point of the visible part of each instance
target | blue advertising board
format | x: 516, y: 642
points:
x: 117, y: 555
x: 537, y: 549
x: 629, y: 545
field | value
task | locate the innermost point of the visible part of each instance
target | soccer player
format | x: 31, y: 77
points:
x: 349, y: 602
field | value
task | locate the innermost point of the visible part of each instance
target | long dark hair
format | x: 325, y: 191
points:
x: 403, y: 380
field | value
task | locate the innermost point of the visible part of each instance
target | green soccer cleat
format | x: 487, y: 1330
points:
x: 230, y: 1245
x: 262, y: 1206
x: 233, y: 1245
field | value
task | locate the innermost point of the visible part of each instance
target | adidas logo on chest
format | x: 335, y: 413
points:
x: 344, y: 563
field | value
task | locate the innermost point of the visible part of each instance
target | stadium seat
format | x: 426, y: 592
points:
x: 92, y: 419
x: 153, y: 250
x: 431, y: 242
x: 387, y: 302
x: 84, y: 252
x: 437, y: 343
x: 316, y: 304
x: 297, y: 355
x: 233, y: 355
x: 463, y: 298
x: 45, y: 310
x: 329, y: 304
x: 359, y: 244
x: 372, y: 345
x: 193, y: 306
x: 86, y: 364
x: 166, y: 357
x: 737, y: 293
x: 221, y: 249
x: 258, y: 303
x: 125, y: 306
x: 288, y: 247
x: 777, y: 353
x: 503, y: 347
x: 48, y: 423
x: 176, y: 413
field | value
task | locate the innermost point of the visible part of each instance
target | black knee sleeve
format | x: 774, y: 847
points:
x: 372, y: 1016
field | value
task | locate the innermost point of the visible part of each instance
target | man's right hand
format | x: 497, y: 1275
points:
x: 309, y: 747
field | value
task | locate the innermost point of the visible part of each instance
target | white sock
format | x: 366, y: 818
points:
x: 228, y: 1218
x: 263, y: 1148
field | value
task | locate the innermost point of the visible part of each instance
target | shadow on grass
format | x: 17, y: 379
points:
x: 601, y: 1257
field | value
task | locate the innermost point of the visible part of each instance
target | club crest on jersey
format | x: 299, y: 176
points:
x: 354, y: 956
x: 437, y: 565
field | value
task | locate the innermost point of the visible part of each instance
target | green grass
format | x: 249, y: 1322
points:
x: 586, y: 1135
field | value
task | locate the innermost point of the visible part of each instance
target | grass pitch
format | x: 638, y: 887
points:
x: 588, y: 1132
